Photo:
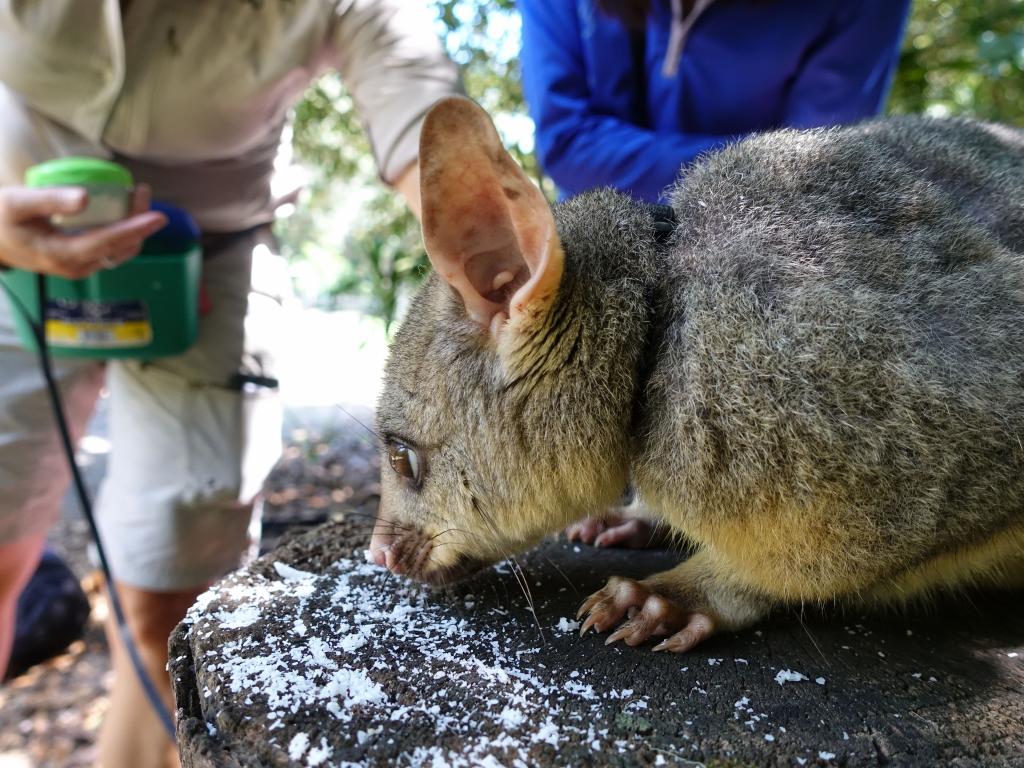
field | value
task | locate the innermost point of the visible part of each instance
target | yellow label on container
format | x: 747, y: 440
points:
x: 107, y: 335
x: 97, y: 325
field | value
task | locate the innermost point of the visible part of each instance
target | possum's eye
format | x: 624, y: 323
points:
x: 405, y: 461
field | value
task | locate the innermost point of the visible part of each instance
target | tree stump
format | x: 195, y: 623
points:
x: 312, y: 657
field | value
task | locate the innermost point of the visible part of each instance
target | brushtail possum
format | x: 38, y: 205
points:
x: 816, y: 378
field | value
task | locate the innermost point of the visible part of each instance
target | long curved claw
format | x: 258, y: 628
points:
x: 698, y: 628
x: 586, y: 530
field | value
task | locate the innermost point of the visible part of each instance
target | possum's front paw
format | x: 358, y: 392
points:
x: 681, y: 603
x: 630, y: 526
x: 648, y: 614
x: 619, y: 530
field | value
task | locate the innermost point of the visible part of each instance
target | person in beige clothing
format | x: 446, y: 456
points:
x: 192, y: 97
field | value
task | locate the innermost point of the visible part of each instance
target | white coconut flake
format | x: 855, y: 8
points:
x: 511, y: 718
x: 789, y: 676
x: 298, y: 745
x: 242, y: 617
x: 319, y: 755
x: 310, y: 658
x: 567, y: 625
x: 549, y: 733
x: 351, y: 643
x: 826, y: 756
x: 287, y: 573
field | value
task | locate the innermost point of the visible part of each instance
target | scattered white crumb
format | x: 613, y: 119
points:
x: 368, y: 556
x: 291, y: 670
x: 297, y: 746
x: 241, y: 617
x: 769, y: 737
x: 1013, y: 654
x: 288, y: 573
x: 567, y: 625
x: 789, y: 676
x: 353, y: 642
x: 319, y: 755
x: 826, y: 755
x: 819, y: 680
x: 802, y: 760
x: 742, y: 661
x: 714, y: 662
x: 549, y: 732
x: 511, y: 718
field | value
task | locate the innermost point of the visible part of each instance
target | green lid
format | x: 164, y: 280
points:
x: 75, y: 171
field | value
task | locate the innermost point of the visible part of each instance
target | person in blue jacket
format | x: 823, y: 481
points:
x: 626, y: 92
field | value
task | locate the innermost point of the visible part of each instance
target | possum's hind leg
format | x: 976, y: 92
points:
x: 995, y: 563
x: 687, y: 604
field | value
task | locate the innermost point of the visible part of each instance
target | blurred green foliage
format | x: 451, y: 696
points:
x: 963, y: 57
x: 351, y: 239
x: 345, y: 212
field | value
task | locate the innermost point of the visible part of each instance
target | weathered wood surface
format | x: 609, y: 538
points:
x: 312, y: 657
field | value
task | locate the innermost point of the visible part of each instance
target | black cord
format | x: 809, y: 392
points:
x: 39, y: 333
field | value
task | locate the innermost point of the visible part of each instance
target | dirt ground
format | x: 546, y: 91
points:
x: 50, y: 716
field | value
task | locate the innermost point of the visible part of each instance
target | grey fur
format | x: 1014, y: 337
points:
x: 825, y: 367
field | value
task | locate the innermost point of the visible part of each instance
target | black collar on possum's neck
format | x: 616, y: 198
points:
x: 664, y: 224
x: 664, y: 221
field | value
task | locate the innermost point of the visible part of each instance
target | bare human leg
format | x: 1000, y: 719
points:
x: 132, y: 736
x: 18, y: 560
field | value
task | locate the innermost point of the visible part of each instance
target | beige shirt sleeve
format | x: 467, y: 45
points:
x: 393, y: 64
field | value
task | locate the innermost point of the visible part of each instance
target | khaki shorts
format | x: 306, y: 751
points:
x: 189, y: 450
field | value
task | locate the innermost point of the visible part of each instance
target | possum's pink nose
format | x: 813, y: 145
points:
x: 378, y: 552
x: 382, y: 545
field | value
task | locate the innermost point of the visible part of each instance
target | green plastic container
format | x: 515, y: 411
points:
x: 146, y: 308
x: 109, y: 185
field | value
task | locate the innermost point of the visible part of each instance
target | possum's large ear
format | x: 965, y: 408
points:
x: 488, y: 229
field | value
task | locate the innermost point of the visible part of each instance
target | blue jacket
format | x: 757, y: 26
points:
x: 604, y: 119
